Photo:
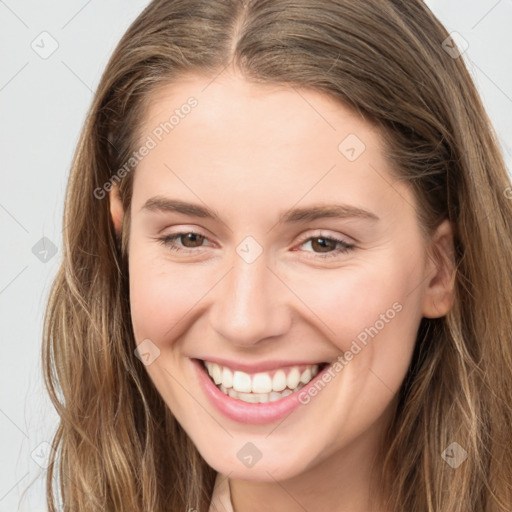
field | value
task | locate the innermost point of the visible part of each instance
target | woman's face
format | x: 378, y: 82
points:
x: 297, y: 248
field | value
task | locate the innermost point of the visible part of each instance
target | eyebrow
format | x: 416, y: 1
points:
x: 294, y: 215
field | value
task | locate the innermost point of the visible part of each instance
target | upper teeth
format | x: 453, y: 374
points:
x: 264, y: 382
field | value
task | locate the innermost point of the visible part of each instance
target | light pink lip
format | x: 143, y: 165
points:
x: 262, y: 366
x: 243, y: 412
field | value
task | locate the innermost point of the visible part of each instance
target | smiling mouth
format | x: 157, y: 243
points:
x: 261, y: 387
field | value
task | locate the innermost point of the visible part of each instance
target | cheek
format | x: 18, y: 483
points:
x: 371, y: 313
x: 349, y: 299
x: 163, y: 295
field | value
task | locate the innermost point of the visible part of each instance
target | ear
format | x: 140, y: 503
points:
x: 440, y: 292
x: 116, y: 209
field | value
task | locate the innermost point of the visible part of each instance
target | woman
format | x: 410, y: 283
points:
x: 285, y: 282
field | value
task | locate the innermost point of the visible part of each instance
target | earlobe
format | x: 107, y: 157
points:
x: 440, y: 292
x: 116, y: 209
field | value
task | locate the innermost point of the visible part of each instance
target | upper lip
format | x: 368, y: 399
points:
x: 261, y: 366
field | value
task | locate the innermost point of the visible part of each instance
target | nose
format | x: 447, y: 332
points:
x: 250, y: 303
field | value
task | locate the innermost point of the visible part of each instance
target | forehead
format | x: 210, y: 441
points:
x: 255, y: 112
x: 259, y: 145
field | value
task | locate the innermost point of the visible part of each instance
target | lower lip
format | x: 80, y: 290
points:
x: 244, y: 412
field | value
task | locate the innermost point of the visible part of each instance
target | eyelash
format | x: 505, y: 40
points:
x: 169, y: 242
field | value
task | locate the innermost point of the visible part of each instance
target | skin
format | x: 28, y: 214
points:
x: 249, y: 152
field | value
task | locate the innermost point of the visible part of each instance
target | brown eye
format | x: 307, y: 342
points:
x: 322, y: 247
x: 191, y: 239
x: 185, y: 241
x: 323, y: 244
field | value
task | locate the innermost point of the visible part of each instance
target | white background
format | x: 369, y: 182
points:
x: 43, y: 105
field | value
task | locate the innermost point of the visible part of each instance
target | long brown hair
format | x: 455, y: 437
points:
x: 118, y: 446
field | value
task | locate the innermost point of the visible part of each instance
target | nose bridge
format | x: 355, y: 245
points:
x: 248, y: 305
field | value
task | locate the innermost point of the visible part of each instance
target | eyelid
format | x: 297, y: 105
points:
x: 184, y: 229
x: 320, y: 233
x: 176, y: 235
x: 169, y: 240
